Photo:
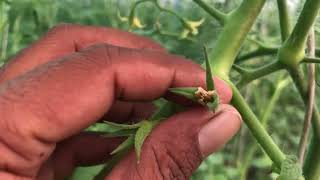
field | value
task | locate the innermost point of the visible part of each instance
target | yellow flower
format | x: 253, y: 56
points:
x: 184, y: 34
x: 137, y: 23
x: 194, y: 25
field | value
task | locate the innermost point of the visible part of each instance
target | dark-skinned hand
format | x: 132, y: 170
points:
x: 76, y: 75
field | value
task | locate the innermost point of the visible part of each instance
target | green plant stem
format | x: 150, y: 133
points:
x: 250, y: 75
x: 265, y: 117
x: 256, y: 128
x: 271, y: 51
x: 156, y: 3
x: 311, y: 87
x: 310, y: 60
x: 222, y: 58
x: 256, y: 53
x: 311, y: 168
x: 228, y: 44
x: 284, y: 18
x: 218, y: 15
x: 297, y: 77
x: 4, y: 42
x: 133, y: 9
x: 292, y: 51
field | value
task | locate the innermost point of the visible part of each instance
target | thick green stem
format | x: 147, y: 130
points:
x: 265, y: 117
x: 249, y: 76
x: 256, y: 128
x: 311, y: 168
x: 292, y: 51
x: 218, y: 15
x: 228, y: 43
x: 272, y: 51
x: 256, y: 53
x: 284, y: 18
x: 311, y: 60
x: 222, y: 58
x: 301, y: 85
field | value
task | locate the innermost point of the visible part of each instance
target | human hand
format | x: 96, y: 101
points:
x: 74, y: 76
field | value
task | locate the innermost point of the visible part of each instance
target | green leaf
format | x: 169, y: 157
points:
x: 102, y: 127
x: 166, y: 110
x: 188, y: 92
x: 122, y: 126
x: 124, y: 145
x: 111, y: 163
x: 141, y: 135
x: 209, y: 79
x: 212, y: 106
x: 120, y: 133
x: 290, y: 169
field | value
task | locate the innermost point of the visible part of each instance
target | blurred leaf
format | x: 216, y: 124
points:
x: 124, y: 145
x: 119, y: 133
x: 187, y: 92
x: 111, y: 163
x: 290, y: 169
x: 141, y: 135
x: 209, y: 77
x: 166, y: 110
x: 122, y: 126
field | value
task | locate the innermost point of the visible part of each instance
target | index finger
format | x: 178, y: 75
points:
x: 70, y: 94
x: 64, y: 39
x: 63, y: 97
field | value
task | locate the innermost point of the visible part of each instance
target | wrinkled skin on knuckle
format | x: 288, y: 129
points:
x: 21, y: 150
x: 171, y: 159
x: 172, y: 163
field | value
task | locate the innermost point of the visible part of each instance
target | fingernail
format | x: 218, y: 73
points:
x: 218, y: 131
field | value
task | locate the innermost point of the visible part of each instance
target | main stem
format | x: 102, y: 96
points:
x: 311, y: 168
x: 284, y: 18
x: 292, y: 51
x: 257, y: 129
x: 229, y: 42
x: 222, y: 58
x: 265, y: 117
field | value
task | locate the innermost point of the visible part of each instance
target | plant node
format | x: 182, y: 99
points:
x: 203, y: 96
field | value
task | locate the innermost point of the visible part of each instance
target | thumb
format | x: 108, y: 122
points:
x: 177, y: 146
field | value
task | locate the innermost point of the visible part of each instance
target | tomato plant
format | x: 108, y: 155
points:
x: 235, y: 54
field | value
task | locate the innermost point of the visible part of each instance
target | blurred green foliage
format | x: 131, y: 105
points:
x: 24, y: 21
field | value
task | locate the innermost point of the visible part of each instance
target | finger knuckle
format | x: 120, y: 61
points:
x: 172, y: 167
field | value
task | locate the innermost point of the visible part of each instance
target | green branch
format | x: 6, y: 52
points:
x: 262, y: 52
x: 310, y: 60
x: 218, y: 15
x: 311, y: 168
x: 228, y: 43
x: 222, y: 58
x: 250, y: 75
x: 292, y: 52
x: 257, y: 53
x: 256, y: 128
x: 265, y: 117
x: 284, y: 18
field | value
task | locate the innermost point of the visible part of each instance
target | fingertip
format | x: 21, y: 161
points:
x: 219, y: 130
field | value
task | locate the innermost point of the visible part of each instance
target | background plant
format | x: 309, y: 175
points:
x: 250, y: 46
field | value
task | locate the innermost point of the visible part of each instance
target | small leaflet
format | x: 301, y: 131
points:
x: 124, y: 145
x: 141, y: 135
